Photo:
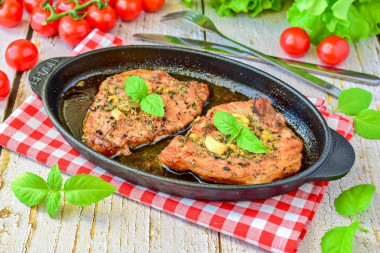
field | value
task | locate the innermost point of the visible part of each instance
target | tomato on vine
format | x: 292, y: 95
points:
x: 104, y: 19
x: 72, y: 31
x: 21, y: 55
x: 10, y: 13
x: 39, y: 15
x: 30, y: 4
x: 295, y: 41
x: 65, y: 5
x: 153, y: 5
x: 128, y: 10
x: 4, y: 85
x: 333, y: 50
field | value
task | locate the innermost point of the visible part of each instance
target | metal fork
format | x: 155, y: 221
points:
x: 204, y: 22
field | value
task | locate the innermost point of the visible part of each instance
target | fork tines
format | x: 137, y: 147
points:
x: 179, y: 15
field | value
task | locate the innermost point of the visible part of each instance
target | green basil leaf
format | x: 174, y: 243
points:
x: 83, y: 190
x: 153, y: 105
x: 53, y: 202
x: 355, y: 199
x: 339, y: 239
x: 354, y: 100
x: 54, y: 179
x: 226, y: 123
x: 136, y: 88
x: 367, y: 124
x: 235, y: 134
x: 30, y: 189
x: 248, y: 141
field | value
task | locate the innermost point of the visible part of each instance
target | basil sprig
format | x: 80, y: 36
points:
x: 136, y: 88
x: 227, y: 124
x: 80, y: 190
x: 349, y: 202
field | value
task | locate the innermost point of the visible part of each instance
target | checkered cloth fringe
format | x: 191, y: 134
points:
x: 276, y: 224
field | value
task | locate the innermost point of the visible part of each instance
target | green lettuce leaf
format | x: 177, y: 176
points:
x: 350, y: 19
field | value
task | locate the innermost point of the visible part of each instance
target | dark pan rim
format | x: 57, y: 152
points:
x: 301, y: 176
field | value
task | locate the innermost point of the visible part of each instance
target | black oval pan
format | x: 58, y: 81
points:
x: 328, y: 156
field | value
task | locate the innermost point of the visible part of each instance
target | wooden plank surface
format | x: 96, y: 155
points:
x: 118, y: 224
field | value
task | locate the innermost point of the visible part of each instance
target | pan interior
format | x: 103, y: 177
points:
x: 228, y: 82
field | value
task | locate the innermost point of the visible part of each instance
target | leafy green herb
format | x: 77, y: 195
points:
x: 83, y: 190
x: 354, y: 100
x: 349, y: 202
x: 339, y: 239
x: 232, y: 7
x: 136, y: 88
x: 79, y: 190
x: 367, y: 124
x: 248, y: 141
x: 150, y: 105
x: 355, y: 199
x: 227, y: 124
x: 350, y: 19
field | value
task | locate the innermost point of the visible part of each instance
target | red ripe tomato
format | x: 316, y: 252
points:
x: 153, y: 5
x: 30, y: 4
x: 104, y: 19
x: 10, y: 13
x: 4, y: 85
x: 128, y: 10
x: 64, y: 5
x: 333, y: 50
x: 39, y: 15
x: 73, y: 31
x: 295, y: 41
x: 21, y: 55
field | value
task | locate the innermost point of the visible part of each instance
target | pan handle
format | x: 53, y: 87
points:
x: 338, y: 164
x: 40, y: 74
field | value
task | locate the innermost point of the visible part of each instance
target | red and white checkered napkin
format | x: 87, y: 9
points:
x: 277, y: 224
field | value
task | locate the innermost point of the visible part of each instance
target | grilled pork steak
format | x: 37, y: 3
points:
x: 114, y: 123
x: 229, y: 164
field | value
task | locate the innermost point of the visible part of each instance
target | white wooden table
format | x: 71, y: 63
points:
x: 118, y: 224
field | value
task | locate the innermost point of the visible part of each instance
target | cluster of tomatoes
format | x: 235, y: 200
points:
x: 73, y: 29
x: 23, y: 54
x: 332, y: 50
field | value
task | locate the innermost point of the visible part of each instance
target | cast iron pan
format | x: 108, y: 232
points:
x: 328, y: 156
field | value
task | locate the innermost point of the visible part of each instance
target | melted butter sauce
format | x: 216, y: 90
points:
x: 78, y: 99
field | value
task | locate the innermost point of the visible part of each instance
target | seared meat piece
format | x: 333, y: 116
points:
x: 114, y: 123
x: 233, y: 165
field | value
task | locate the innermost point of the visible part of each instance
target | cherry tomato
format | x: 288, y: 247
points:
x: 30, y: 4
x: 10, y: 13
x: 4, y: 85
x: 64, y: 5
x: 21, y: 54
x: 73, y: 31
x: 128, y: 10
x: 333, y: 50
x: 104, y: 19
x: 153, y: 5
x: 39, y: 15
x: 295, y: 41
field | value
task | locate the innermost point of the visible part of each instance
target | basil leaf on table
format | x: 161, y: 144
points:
x: 367, y: 124
x: 136, y: 88
x: 339, y: 239
x: 152, y: 104
x: 30, y: 189
x: 248, y: 141
x: 53, y: 202
x: 355, y: 199
x: 83, y: 190
x: 226, y: 123
x: 54, y: 179
x: 354, y: 100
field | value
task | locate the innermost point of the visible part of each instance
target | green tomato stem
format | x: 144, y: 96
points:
x: 73, y: 12
x: 363, y: 229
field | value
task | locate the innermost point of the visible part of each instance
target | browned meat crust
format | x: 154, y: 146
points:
x: 237, y: 166
x: 114, y: 122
